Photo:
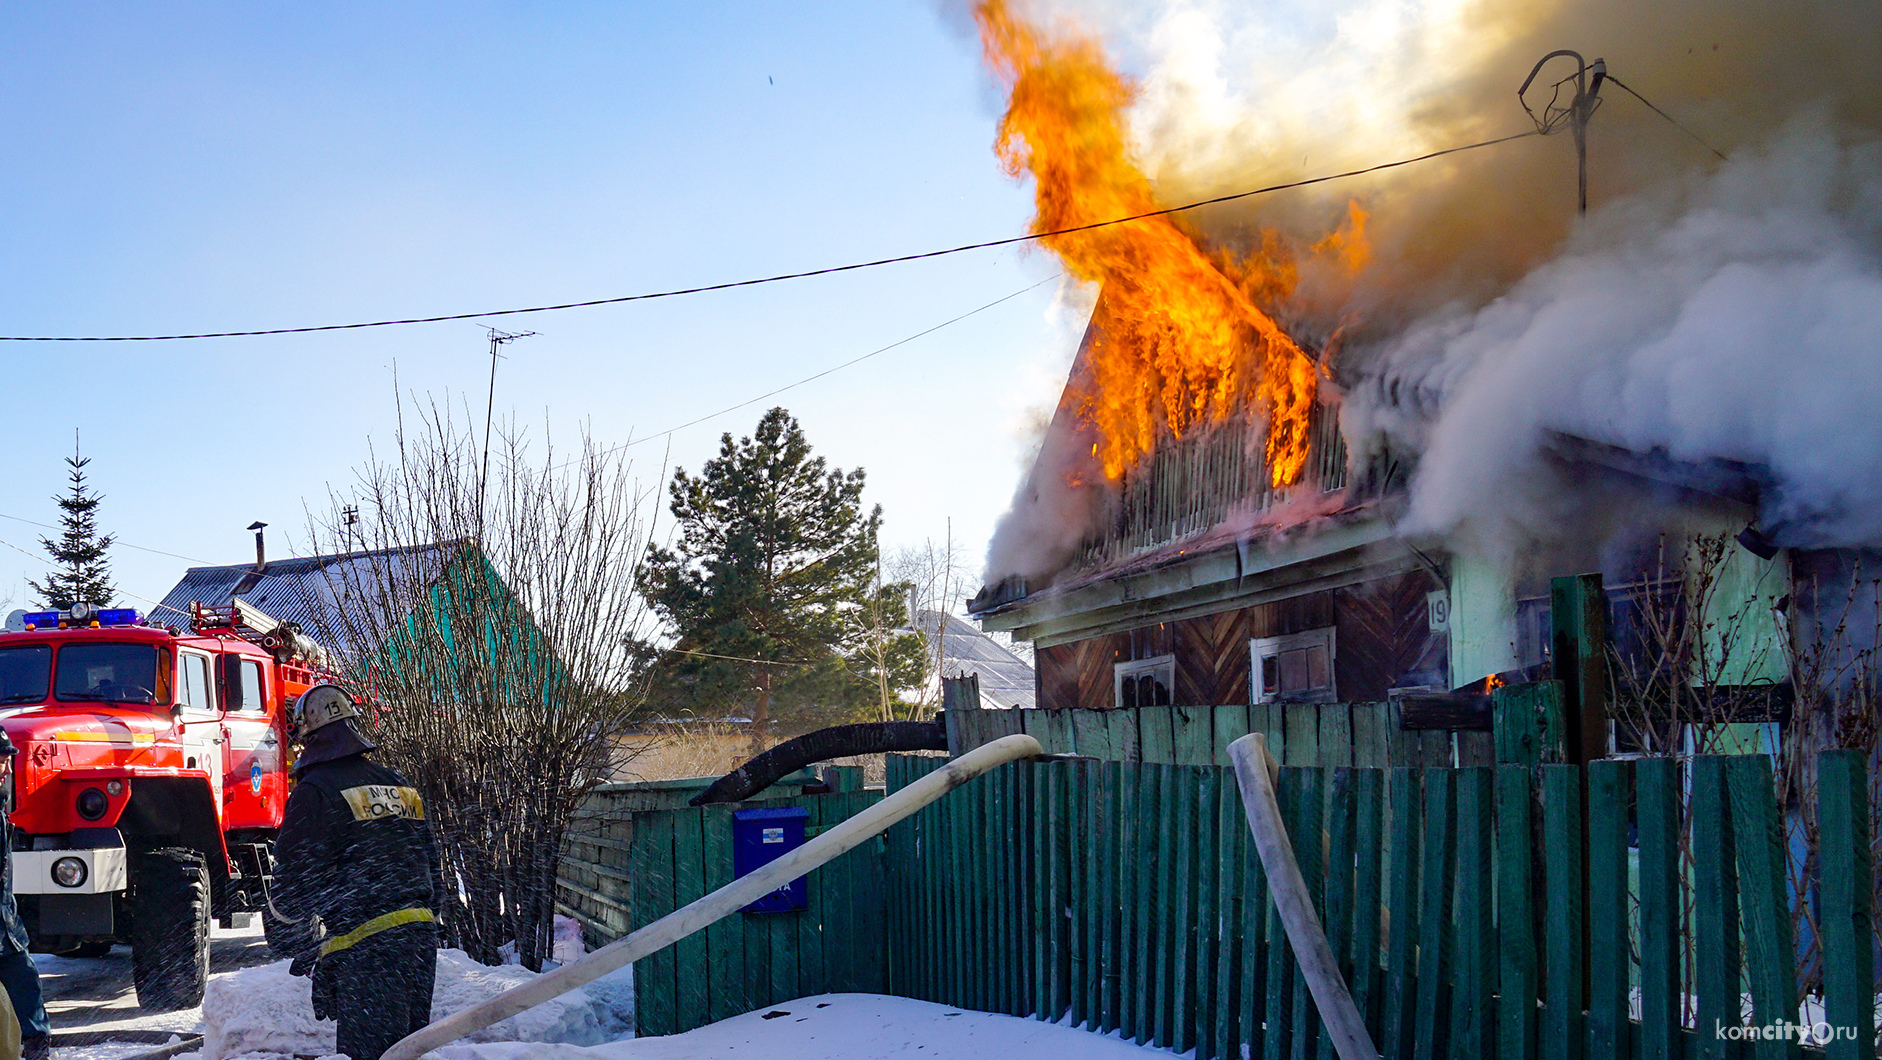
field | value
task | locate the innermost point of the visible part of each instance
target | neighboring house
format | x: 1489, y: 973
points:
x: 1006, y: 680
x: 1196, y: 584
x: 307, y: 591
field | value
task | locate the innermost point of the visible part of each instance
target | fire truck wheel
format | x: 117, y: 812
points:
x: 170, y: 930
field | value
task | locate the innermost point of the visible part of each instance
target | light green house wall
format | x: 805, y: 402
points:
x: 1483, y: 618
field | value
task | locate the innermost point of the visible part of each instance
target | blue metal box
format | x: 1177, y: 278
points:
x: 760, y: 837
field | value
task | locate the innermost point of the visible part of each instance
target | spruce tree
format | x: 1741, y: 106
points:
x: 769, y: 590
x: 84, y: 574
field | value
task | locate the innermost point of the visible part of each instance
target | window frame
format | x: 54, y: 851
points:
x: 182, y: 681
x: 1273, y: 647
x: 1163, y: 666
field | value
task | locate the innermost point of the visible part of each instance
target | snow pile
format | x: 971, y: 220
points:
x: 266, y: 1010
x: 565, y: 943
x: 843, y: 1027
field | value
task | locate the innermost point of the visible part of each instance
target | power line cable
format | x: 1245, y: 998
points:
x: 826, y: 371
x: 986, y: 245
x: 121, y: 592
x: 115, y: 541
x: 1695, y: 136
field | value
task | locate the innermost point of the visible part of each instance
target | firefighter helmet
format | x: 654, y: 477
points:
x: 321, y: 706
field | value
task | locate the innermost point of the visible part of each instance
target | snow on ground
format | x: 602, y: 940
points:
x: 267, y: 1011
x: 843, y: 1027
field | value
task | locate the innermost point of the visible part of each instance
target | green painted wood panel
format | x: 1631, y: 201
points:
x: 1192, y: 735
x: 1156, y: 734
x: 653, y: 898
x: 1204, y: 918
x: 1715, y: 905
x: 1230, y: 724
x: 1336, y: 735
x: 725, y: 943
x: 1090, y: 735
x: 1230, y: 828
x: 1473, y: 1014
x: 1278, y: 1028
x: 1563, y: 934
x: 1300, y: 722
x: 1368, y: 890
x: 1517, y: 974
x: 1608, y: 950
x: 1337, y: 874
x: 689, y: 954
x: 1369, y: 742
x: 1146, y: 900
x: 1848, y: 884
x: 1437, y: 869
x: 1306, y: 832
x: 1168, y: 911
x: 1656, y: 799
x: 1770, y: 965
x: 1182, y: 877
x: 1403, y: 803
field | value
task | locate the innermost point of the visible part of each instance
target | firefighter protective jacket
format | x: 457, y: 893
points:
x: 355, y: 847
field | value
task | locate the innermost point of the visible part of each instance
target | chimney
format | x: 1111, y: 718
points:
x: 261, y: 554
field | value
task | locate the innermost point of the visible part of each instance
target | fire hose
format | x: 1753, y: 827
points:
x: 720, y: 903
x: 1255, y: 773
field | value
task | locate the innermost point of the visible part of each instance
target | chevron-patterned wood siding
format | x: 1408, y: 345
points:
x: 1382, y: 634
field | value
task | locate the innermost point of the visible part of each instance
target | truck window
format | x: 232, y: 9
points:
x: 117, y: 673
x: 24, y: 673
x: 248, y: 688
x: 193, y: 688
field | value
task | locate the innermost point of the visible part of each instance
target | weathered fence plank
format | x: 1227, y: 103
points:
x: 1608, y: 956
x: 1563, y: 937
x: 1848, y: 883
x: 1656, y: 794
x: 1715, y: 906
x: 1770, y: 949
x: 1516, y: 914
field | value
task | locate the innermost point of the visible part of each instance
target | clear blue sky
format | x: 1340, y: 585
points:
x: 191, y: 167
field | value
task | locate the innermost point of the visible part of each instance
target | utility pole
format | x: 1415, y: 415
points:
x: 1588, y: 78
x: 497, y: 340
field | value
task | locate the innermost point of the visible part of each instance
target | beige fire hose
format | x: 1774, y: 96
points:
x: 720, y: 903
x: 1256, y: 773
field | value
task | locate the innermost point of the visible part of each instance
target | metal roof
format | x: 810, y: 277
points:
x: 1006, y: 680
x: 302, y: 590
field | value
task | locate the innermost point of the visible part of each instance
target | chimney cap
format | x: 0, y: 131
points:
x: 257, y: 525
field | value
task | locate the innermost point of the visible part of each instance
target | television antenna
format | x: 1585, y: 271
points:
x: 1574, y: 113
x: 498, y: 339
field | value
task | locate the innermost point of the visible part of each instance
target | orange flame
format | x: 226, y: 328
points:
x: 1178, y: 337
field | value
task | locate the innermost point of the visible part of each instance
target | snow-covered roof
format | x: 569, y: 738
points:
x: 1006, y: 680
x: 308, y: 591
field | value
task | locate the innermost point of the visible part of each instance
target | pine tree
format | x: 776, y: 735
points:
x: 84, y: 574
x: 768, y: 588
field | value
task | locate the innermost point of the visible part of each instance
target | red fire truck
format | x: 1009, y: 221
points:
x: 150, y: 780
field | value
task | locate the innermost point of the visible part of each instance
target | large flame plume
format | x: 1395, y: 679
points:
x: 1180, y: 338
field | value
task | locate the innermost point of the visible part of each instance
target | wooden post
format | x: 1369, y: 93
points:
x: 1578, y: 610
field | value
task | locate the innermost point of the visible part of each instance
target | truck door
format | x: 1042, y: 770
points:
x: 201, y: 721
x: 254, y: 787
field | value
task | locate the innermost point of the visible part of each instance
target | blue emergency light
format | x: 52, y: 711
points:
x: 119, y: 616
x: 41, y: 619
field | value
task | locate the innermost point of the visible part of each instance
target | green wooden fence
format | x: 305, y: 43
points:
x: 627, y: 865
x: 1509, y: 911
x: 1304, y: 734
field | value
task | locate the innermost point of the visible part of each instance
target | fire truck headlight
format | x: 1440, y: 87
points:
x: 92, y: 804
x: 114, y: 788
x: 68, y: 872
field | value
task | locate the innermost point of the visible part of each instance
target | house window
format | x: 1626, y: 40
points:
x: 1297, y: 668
x: 1145, y: 682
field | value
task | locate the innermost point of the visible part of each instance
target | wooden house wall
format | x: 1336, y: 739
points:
x: 1382, y: 632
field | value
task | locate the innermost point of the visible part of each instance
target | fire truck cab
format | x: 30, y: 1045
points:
x: 149, y: 782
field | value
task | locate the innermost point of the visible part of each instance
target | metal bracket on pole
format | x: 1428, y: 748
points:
x: 1256, y: 773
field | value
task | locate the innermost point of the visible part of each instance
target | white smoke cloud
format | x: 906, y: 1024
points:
x: 1738, y: 317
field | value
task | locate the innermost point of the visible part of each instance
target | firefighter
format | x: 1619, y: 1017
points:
x: 357, y: 882
x: 17, y: 971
